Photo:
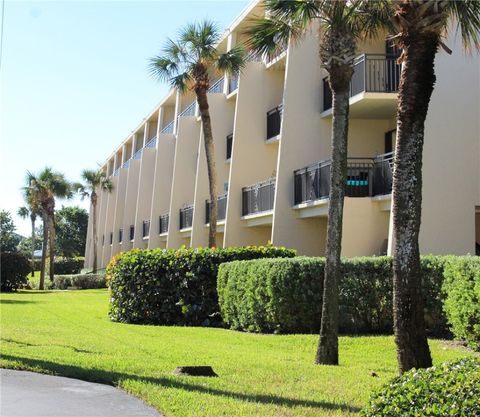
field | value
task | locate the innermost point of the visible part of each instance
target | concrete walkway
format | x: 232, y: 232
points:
x: 27, y: 394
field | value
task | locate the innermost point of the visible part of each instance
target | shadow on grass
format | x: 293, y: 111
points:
x: 113, y: 378
x: 25, y: 344
x: 2, y: 301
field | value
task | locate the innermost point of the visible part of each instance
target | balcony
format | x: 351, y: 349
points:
x: 373, y: 88
x: 126, y: 164
x: 132, y: 232
x: 229, y: 143
x: 232, y: 84
x: 111, y: 238
x: 257, y: 202
x: 274, y: 123
x: 168, y: 128
x: 276, y: 57
x: 186, y: 217
x: 217, y: 86
x: 366, y: 177
x: 190, y: 110
x: 138, y: 154
x: 221, y: 209
x: 146, y: 229
x: 151, y: 143
x: 163, y: 224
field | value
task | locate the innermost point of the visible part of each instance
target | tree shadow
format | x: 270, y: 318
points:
x: 113, y: 378
x: 2, y: 301
x: 25, y: 344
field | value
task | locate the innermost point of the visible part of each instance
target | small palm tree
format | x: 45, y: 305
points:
x: 187, y: 64
x: 94, y: 181
x: 418, y: 28
x: 342, y: 24
x: 32, y: 211
x: 44, y: 188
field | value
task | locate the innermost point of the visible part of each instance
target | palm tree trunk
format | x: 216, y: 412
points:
x: 416, y: 86
x: 32, y: 219
x: 52, y: 246
x: 211, y: 166
x: 327, y: 351
x: 94, y: 230
x: 41, y: 285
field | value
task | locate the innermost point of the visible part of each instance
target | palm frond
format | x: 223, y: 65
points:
x: 466, y: 14
x: 162, y: 68
x: 233, y: 61
x: 266, y: 36
x: 181, y: 81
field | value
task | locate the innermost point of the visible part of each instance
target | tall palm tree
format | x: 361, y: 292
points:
x: 342, y: 24
x: 188, y: 64
x: 94, y: 181
x: 31, y: 211
x: 418, y: 27
x: 45, y: 187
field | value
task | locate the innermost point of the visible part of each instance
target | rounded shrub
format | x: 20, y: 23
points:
x: 175, y: 286
x: 66, y: 266
x: 14, y: 270
x: 462, y: 303
x: 451, y: 389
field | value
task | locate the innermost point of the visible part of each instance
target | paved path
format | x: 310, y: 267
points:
x: 27, y: 394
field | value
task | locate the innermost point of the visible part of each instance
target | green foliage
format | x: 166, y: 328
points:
x: 80, y: 281
x: 66, y: 266
x: 71, y: 225
x: 14, y: 270
x: 462, y: 304
x: 173, y: 286
x: 285, y: 295
x: 9, y: 240
x: 25, y: 245
x: 451, y: 389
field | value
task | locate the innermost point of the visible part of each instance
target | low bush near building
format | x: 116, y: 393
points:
x: 285, y: 295
x: 450, y: 389
x: 79, y: 281
x: 173, y: 286
x: 14, y: 270
x: 462, y: 304
x: 67, y: 266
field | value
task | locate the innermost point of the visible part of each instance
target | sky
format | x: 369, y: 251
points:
x: 74, y: 81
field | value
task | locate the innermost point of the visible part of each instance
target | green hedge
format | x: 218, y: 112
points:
x: 173, y: 286
x: 285, y: 295
x: 462, y: 304
x: 79, y: 281
x: 14, y: 270
x: 448, y: 390
x: 67, y: 266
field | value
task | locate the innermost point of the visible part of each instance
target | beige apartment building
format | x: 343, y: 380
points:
x: 271, y: 126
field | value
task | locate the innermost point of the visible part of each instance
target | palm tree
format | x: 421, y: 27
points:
x: 32, y: 211
x: 187, y: 64
x: 44, y: 188
x: 417, y: 28
x: 94, y: 181
x: 342, y: 24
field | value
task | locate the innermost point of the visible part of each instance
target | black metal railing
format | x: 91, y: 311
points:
x: 146, y: 228
x: 132, y: 232
x: 232, y: 83
x: 221, y: 208
x: 274, y: 121
x: 120, y: 235
x: 163, y: 223
x: 229, y: 145
x: 259, y: 197
x: 372, y: 73
x: 366, y: 177
x: 186, y: 217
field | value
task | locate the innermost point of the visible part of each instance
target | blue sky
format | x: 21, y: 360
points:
x: 74, y: 82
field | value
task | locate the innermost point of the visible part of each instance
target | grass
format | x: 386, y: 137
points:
x: 68, y: 333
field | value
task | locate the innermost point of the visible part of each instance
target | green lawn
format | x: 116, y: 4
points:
x: 68, y: 333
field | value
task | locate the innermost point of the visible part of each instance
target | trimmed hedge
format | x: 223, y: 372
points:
x: 68, y: 266
x: 173, y: 286
x: 462, y: 304
x: 79, y: 281
x: 285, y: 295
x: 451, y: 389
x: 14, y: 270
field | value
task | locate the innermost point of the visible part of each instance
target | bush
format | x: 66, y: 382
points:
x: 173, y: 286
x: 67, y: 266
x: 450, y: 389
x: 462, y: 304
x: 272, y: 295
x: 79, y: 281
x: 14, y: 270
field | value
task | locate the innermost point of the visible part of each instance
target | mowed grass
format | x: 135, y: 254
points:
x: 68, y: 333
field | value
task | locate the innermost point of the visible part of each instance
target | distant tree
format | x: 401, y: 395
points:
x: 187, y: 64
x: 94, y: 181
x: 71, y: 225
x: 9, y: 240
x: 25, y: 245
x: 31, y: 210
